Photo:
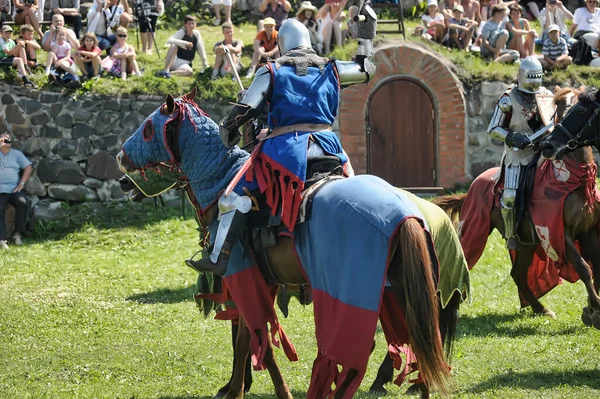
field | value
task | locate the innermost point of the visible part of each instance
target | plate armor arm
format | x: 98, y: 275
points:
x: 251, y: 105
x: 499, y: 125
x: 362, y: 68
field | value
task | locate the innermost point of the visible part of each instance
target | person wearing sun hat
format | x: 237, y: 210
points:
x: 265, y: 45
x: 307, y: 14
x: 555, y: 51
x: 461, y: 29
x: 13, y: 54
x: 434, y: 21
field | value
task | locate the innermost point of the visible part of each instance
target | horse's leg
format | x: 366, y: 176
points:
x: 591, y: 251
x: 385, y: 374
x: 248, y: 374
x: 282, y: 391
x: 341, y: 391
x: 591, y: 314
x: 241, y: 352
x: 520, y: 268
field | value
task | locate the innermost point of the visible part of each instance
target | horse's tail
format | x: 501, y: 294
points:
x: 448, y: 322
x: 412, y: 273
x: 452, y: 205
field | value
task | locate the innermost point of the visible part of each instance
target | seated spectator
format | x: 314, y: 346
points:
x: 59, y: 55
x: 556, y: 54
x: 147, y: 14
x: 31, y: 46
x: 435, y: 25
x: 124, y: 57
x: 183, y: 46
x: 307, y: 14
x: 331, y: 16
x: 494, y: 38
x: 26, y: 14
x: 472, y: 10
x: 351, y: 31
x: 555, y: 12
x: 586, y: 23
x: 446, y: 7
x: 276, y: 9
x: 87, y: 57
x: 58, y: 21
x: 265, y: 46
x: 5, y: 11
x: 226, y: 9
x: 461, y: 29
x: 534, y: 7
x: 69, y: 9
x: 13, y: 54
x: 11, y: 188
x: 102, y: 21
x: 520, y: 35
x: 222, y: 65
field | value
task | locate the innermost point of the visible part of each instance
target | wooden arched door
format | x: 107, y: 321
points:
x: 402, y: 136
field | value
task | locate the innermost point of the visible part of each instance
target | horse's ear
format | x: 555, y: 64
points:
x: 556, y: 88
x: 191, y: 95
x: 170, y: 104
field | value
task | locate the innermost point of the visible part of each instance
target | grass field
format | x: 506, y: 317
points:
x: 100, y: 306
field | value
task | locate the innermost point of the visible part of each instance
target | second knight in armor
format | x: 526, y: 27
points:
x: 515, y: 118
x: 301, y: 92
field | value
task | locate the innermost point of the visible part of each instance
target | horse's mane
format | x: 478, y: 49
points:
x: 590, y: 95
x: 561, y: 93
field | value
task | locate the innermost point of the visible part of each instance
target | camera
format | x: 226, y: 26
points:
x: 30, y: 2
x: 6, y: 141
x: 551, y: 1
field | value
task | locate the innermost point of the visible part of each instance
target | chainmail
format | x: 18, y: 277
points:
x: 302, y: 59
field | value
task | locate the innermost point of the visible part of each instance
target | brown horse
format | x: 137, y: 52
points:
x: 581, y: 218
x: 410, y: 270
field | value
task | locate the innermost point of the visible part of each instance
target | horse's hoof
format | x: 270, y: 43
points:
x: 378, y: 390
x: 414, y: 389
x: 548, y: 313
x: 587, y: 316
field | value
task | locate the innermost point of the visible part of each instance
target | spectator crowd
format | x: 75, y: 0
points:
x: 81, y: 48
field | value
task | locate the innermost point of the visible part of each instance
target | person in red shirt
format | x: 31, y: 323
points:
x: 265, y: 46
x: 87, y: 56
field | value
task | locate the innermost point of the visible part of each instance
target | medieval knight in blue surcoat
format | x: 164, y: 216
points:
x: 301, y: 92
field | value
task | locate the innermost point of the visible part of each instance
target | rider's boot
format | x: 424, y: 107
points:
x: 509, y: 216
x: 230, y: 230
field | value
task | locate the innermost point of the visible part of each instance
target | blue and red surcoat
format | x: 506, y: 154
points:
x: 278, y: 164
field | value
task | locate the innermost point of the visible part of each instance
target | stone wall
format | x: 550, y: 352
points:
x: 73, y: 144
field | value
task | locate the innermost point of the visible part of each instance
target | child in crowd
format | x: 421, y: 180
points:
x: 87, y: 57
x: 351, y: 31
x: 31, y: 46
x: 59, y: 56
x: 435, y: 25
x: 13, y: 54
x: 461, y: 28
x: 124, y: 57
x: 556, y: 54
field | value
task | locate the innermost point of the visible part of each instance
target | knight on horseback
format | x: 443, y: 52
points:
x: 301, y: 92
x: 516, y: 117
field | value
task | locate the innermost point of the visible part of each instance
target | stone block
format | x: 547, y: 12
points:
x: 132, y: 121
x: 48, y: 210
x: 51, y: 131
x: 478, y: 168
x: 14, y: 114
x: 7, y: 99
x: 106, y: 118
x: 55, y: 110
x: 40, y: 119
x: 81, y: 115
x: 148, y: 108
x: 32, y: 106
x: 37, y: 147
x: 21, y: 132
x: 92, y: 183
x: 65, y: 148
x: 474, y: 140
x: 103, y: 166
x: 82, y: 130
x: 34, y: 186
x: 107, y: 142
x: 115, y: 190
x: 64, y: 120
x: 112, y: 105
x: 70, y: 192
x: 60, y: 171
x: 493, y: 88
x: 47, y: 97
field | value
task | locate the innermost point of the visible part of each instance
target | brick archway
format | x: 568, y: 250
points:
x: 411, y: 61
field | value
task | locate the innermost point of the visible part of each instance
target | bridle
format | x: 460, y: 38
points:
x: 575, y: 140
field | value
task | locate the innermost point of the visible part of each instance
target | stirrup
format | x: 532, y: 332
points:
x: 206, y: 265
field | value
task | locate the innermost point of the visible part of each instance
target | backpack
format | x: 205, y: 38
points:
x: 581, y: 52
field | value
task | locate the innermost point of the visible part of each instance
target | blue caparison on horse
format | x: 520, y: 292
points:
x: 357, y: 233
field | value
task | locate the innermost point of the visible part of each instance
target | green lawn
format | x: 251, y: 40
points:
x: 99, y: 306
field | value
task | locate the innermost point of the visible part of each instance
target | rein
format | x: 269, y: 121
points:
x: 575, y: 140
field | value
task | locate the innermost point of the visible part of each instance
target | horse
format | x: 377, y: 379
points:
x: 453, y: 272
x: 189, y: 139
x: 569, y: 161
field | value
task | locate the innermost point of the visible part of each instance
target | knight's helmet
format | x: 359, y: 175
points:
x: 292, y: 35
x: 530, y: 75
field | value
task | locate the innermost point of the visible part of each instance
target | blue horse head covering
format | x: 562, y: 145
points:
x: 207, y: 163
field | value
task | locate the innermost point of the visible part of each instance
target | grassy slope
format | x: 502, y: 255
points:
x: 100, y: 307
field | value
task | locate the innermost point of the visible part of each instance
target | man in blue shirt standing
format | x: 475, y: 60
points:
x: 11, y: 188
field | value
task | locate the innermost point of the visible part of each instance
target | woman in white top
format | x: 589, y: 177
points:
x: 434, y: 21
x: 331, y: 16
x: 586, y: 23
x: 555, y: 12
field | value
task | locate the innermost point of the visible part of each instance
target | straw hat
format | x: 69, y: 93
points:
x: 306, y: 5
